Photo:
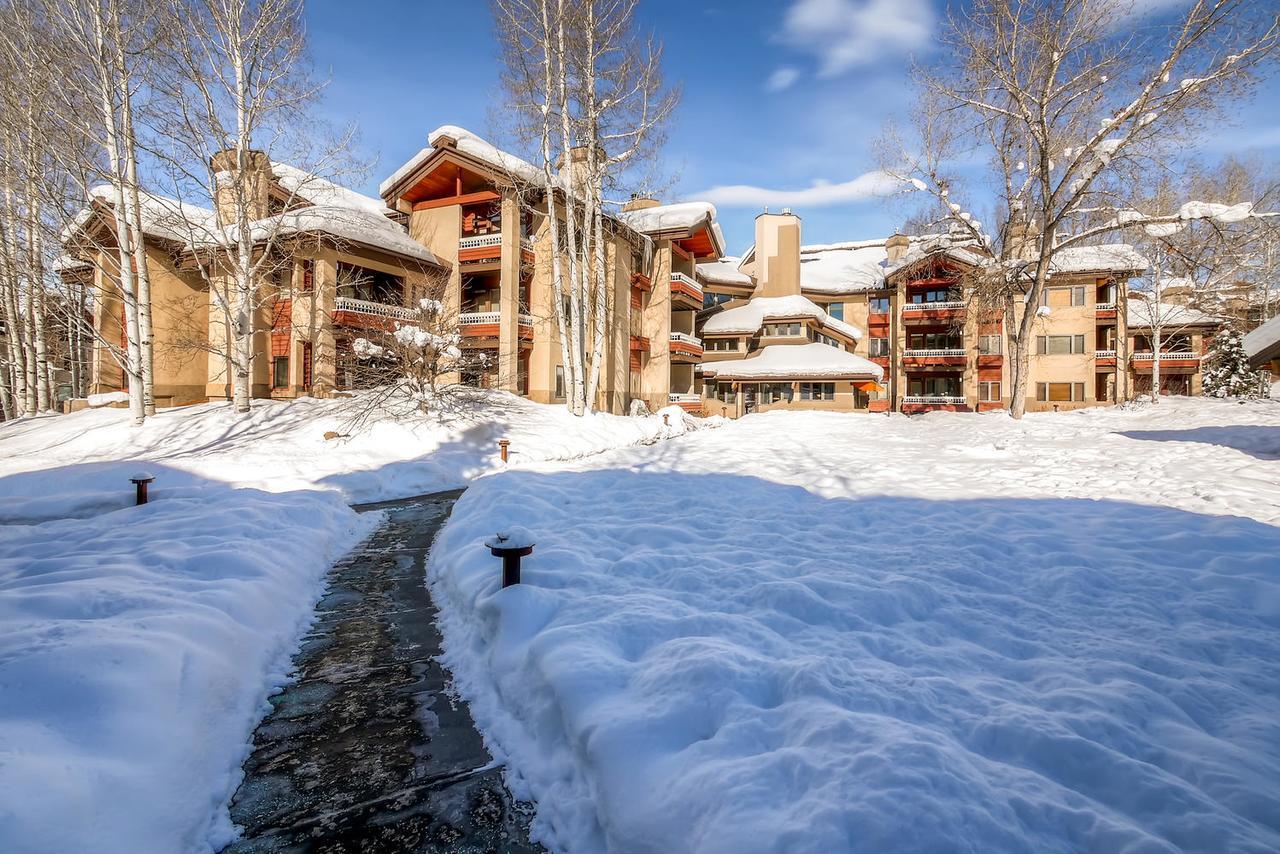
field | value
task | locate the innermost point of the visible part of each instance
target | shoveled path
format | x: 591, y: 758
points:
x: 366, y: 751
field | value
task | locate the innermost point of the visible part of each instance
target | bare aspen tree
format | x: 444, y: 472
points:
x: 101, y: 42
x: 586, y: 87
x: 1068, y: 107
x: 234, y: 97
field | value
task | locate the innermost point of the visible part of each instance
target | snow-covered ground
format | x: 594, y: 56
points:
x: 137, y: 649
x: 814, y: 632
x: 138, y: 645
x: 281, y: 446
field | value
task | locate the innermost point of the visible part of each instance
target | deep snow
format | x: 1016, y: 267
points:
x: 281, y: 446
x: 138, y: 644
x: 137, y: 649
x: 821, y: 632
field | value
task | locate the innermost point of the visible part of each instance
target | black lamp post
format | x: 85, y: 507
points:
x: 510, y: 546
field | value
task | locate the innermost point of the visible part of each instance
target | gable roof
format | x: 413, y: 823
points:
x: 749, y: 318
x: 1263, y: 344
x: 333, y: 210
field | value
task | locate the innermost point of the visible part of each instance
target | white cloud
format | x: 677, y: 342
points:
x: 868, y: 185
x: 847, y: 33
x: 782, y: 78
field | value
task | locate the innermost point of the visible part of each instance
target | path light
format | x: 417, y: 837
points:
x: 503, y: 444
x: 140, y: 481
x: 510, y: 545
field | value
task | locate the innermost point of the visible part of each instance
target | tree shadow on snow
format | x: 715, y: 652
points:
x: 1074, y: 643
x: 1256, y: 441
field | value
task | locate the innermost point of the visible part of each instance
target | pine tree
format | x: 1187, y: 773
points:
x: 1227, y: 372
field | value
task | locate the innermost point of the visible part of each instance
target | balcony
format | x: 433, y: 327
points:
x: 923, y: 402
x: 949, y: 356
x: 687, y: 402
x: 487, y: 248
x: 1104, y: 358
x: 932, y: 312
x: 488, y: 324
x: 685, y: 349
x: 1105, y: 311
x: 685, y: 292
x: 349, y: 311
x: 1145, y: 361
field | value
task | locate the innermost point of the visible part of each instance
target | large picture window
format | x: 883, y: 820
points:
x: 817, y: 391
x: 1060, y: 392
x: 1059, y: 345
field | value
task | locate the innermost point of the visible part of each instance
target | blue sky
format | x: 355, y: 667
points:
x: 781, y: 98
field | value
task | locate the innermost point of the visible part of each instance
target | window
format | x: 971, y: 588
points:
x: 559, y: 382
x: 1063, y: 297
x: 878, y: 305
x: 720, y: 344
x: 990, y: 345
x: 836, y: 310
x: 280, y: 372
x: 817, y: 391
x: 775, y: 392
x: 722, y: 392
x: 786, y: 329
x: 711, y: 300
x: 308, y: 275
x: 989, y: 392
x: 878, y: 346
x: 1060, y: 392
x: 934, y: 386
x: 935, y: 295
x: 935, y: 341
x: 1059, y: 345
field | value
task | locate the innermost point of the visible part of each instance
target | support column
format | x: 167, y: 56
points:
x: 509, y: 298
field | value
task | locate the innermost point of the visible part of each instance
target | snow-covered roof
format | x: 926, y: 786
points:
x: 1141, y: 312
x: 1263, y: 344
x: 962, y: 251
x: 747, y: 319
x: 67, y: 263
x: 470, y: 144
x: 1107, y: 258
x: 343, y: 213
x: 683, y: 216
x: 321, y: 191
x: 842, y: 268
x: 724, y: 272
x: 371, y: 229
x: 796, y: 361
x: 162, y: 217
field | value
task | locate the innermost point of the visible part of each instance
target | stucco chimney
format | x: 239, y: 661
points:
x: 896, y: 247
x: 638, y: 202
x: 578, y: 163
x: 777, y: 254
x: 256, y: 186
x: 1022, y: 241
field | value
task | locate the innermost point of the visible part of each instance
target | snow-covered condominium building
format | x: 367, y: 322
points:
x: 461, y: 219
x: 484, y: 210
x: 902, y: 305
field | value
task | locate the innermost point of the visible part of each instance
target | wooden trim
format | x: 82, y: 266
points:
x: 466, y: 199
x: 676, y: 248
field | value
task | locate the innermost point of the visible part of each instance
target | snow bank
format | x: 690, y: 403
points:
x: 281, y: 446
x: 930, y: 636
x: 138, y: 646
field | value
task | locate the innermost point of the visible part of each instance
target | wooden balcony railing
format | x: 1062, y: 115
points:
x: 934, y: 399
x: 375, y: 309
